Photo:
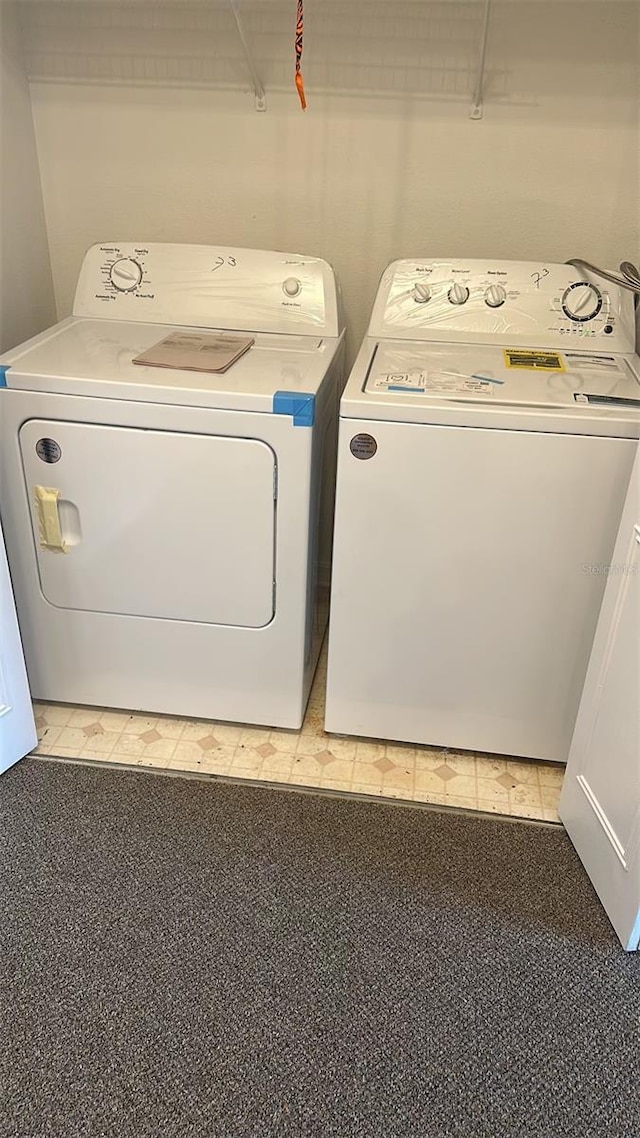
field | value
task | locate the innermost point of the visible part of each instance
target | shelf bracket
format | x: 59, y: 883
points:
x: 258, y: 89
x: 477, y: 107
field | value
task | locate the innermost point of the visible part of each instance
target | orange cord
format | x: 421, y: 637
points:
x: 299, y: 34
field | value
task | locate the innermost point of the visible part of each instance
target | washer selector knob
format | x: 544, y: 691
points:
x: 292, y: 286
x: 458, y: 294
x: 495, y: 296
x: 421, y: 292
x: 581, y: 301
x: 125, y: 274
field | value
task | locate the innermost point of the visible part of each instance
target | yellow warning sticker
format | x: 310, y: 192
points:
x: 536, y: 361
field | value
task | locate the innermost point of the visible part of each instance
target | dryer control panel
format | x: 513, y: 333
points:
x: 523, y: 302
x: 209, y: 286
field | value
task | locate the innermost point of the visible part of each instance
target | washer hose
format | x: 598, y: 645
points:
x: 629, y: 278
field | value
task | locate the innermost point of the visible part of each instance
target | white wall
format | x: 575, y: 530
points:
x: 26, y: 291
x: 364, y: 175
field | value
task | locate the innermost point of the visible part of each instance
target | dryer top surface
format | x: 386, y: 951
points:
x: 94, y: 358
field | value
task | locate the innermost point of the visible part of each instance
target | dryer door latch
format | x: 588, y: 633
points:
x: 46, y: 498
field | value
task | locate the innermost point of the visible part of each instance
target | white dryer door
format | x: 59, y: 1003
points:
x: 152, y: 523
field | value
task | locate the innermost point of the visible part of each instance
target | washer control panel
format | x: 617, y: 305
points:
x: 532, y: 302
x: 207, y: 286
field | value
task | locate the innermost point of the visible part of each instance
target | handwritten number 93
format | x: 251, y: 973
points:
x: 220, y: 261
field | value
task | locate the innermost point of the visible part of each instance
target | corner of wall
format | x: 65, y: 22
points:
x: 26, y: 287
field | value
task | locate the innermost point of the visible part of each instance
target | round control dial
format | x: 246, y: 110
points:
x: 458, y: 294
x: 581, y: 301
x: 125, y: 274
x: 421, y: 292
x: 495, y: 296
x: 291, y: 287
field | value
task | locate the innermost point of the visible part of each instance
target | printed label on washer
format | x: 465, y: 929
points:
x: 582, y: 361
x: 533, y: 360
x: 363, y: 446
x: 611, y: 400
x: 433, y: 382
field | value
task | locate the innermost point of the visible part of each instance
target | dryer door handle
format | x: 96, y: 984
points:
x: 46, y: 498
x: 58, y: 520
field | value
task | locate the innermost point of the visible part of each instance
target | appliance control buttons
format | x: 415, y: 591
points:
x: 581, y: 301
x: 495, y: 296
x: 292, y: 286
x: 125, y: 274
x: 458, y: 294
x: 421, y: 292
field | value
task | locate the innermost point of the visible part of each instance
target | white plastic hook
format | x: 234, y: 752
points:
x: 477, y: 108
x: 258, y: 89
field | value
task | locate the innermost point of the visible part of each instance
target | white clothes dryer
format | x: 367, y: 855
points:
x: 486, y: 440
x: 167, y: 529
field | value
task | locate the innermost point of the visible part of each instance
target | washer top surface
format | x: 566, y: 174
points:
x: 490, y: 375
x: 130, y: 296
x: 508, y: 345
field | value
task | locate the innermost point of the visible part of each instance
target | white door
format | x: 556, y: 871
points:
x: 152, y: 523
x: 600, y: 800
x: 17, y: 729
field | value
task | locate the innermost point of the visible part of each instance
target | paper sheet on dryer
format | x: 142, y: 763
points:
x: 196, y: 351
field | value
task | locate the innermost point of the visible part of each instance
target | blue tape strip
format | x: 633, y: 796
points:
x: 300, y: 404
x: 3, y: 374
x: 401, y: 387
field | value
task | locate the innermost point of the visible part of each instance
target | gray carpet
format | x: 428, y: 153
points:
x: 184, y: 958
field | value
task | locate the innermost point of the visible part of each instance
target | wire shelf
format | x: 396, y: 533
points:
x: 410, y: 48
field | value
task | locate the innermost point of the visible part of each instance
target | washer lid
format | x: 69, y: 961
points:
x: 94, y: 358
x: 534, y: 377
x: 510, y: 388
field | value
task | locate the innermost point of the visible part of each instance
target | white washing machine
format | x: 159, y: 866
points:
x: 486, y: 440
x: 167, y: 529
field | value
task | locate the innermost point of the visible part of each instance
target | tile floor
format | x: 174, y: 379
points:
x: 494, y: 783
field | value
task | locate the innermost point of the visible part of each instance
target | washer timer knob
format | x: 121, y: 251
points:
x: 421, y: 292
x: 458, y: 294
x: 495, y: 296
x: 291, y: 287
x: 581, y: 301
x: 125, y: 274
